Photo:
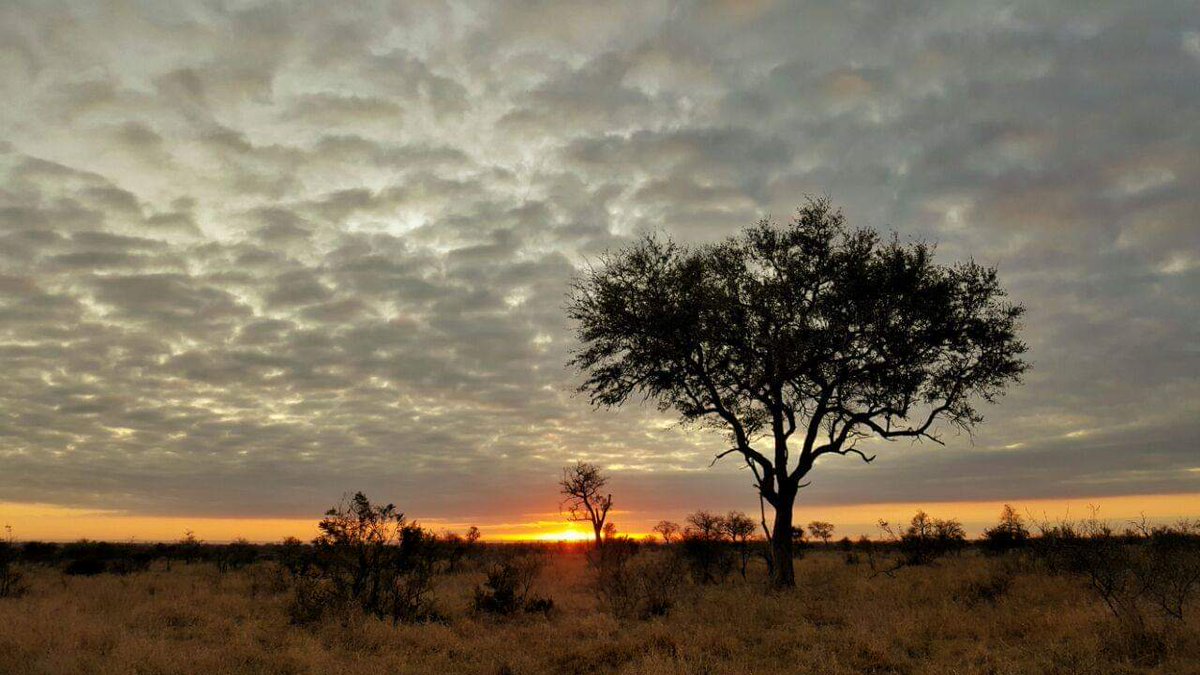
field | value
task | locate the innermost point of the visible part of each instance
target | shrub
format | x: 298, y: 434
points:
x: 1136, y: 577
x: 85, y: 567
x: 235, y: 555
x: 294, y: 556
x: 509, y: 585
x: 38, y: 552
x: 927, y: 538
x: 11, y: 584
x: 369, y: 557
x: 1009, y: 534
x: 638, y: 586
x: 989, y: 588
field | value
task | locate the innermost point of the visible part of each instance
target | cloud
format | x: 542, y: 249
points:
x: 253, y: 257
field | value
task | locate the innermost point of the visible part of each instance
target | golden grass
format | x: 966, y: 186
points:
x: 192, y: 619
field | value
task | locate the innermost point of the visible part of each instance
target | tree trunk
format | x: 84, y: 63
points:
x: 783, y: 574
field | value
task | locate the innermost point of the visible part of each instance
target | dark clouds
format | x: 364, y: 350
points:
x: 253, y: 255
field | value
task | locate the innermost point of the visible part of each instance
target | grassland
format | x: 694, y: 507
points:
x: 963, y: 614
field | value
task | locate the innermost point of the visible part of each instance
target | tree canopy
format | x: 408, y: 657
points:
x: 798, y: 340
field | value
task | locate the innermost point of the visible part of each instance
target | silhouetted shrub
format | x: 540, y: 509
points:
x: 369, y: 557
x: 1137, y: 576
x: 509, y: 585
x: 987, y: 589
x: 633, y: 585
x: 294, y: 556
x: 38, y: 552
x: 1009, y: 534
x: 11, y: 584
x: 85, y: 557
x: 85, y: 567
x: 927, y: 538
x: 235, y: 555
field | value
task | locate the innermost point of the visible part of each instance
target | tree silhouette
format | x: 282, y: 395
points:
x: 668, y: 530
x: 822, y: 530
x: 582, y: 486
x: 740, y: 529
x: 799, y: 341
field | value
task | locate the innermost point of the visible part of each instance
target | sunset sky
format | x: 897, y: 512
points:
x: 256, y: 255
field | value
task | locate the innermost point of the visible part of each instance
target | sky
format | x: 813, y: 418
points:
x: 257, y: 255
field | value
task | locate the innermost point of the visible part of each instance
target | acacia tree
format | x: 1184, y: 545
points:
x: 800, y: 341
x: 822, y: 530
x: 740, y: 529
x: 582, y: 487
x: 668, y: 530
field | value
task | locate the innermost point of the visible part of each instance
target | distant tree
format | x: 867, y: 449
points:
x: 189, y: 548
x: 473, y: 535
x: 293, y: 555
x: 1008, y: 534
x: 610, y: 531
x: 809, y: 334
x: 582, y: 486
x: 927, y: 538
x: 235, y: 555
x: 704, y: 547
x: 668, y: 530
x: 10, y: 578
x: 740, y: 529
x: 706, y: 524
x: 822, y: 530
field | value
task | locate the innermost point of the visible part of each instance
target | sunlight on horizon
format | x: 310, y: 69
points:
x: 47, y: 522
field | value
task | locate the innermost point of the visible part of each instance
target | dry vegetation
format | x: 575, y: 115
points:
x: 964, y: 613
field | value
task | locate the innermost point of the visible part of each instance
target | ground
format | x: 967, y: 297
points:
x: 950, y: 617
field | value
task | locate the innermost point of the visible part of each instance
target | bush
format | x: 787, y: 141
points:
x: 633, y: 585
x: 509, y: 585
x: 235, y: 555
x: 85, y: 567
x: 369, y: 557
x: 927, y: 538
x: 11, y: 584
x: 1009, y: 534
x: 1137, y: 577
x: 989, y: 588
x: 38, y: 552
x: 294, y: 556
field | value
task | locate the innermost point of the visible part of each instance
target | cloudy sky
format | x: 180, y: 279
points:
x: 254, y: 255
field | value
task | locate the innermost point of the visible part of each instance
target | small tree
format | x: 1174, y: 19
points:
x: 822, y: 530
x: 668, y: 530
x: 369, y: 555
x: 740, y: 529
x: 10, y: 578
x: 582, y: 486
x: 704, y: 547
x: 1010, y: 533
x: 189, y: 547
x: 799, y: 341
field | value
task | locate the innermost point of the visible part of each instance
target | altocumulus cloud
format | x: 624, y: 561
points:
x: 256, y: 254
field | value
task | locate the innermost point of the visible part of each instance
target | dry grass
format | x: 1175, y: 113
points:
x: 952, y: 617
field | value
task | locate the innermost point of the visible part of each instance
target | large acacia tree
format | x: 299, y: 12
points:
x: 800, y: 341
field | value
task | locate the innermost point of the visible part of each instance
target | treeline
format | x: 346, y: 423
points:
x: 369, y: 558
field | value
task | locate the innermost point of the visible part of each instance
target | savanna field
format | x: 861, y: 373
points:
x: 852, y: 612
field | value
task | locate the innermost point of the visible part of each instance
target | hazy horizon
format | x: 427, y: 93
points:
x: 255, y: 256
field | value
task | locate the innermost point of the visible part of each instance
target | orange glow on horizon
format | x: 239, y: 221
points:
x: 47, y: 522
